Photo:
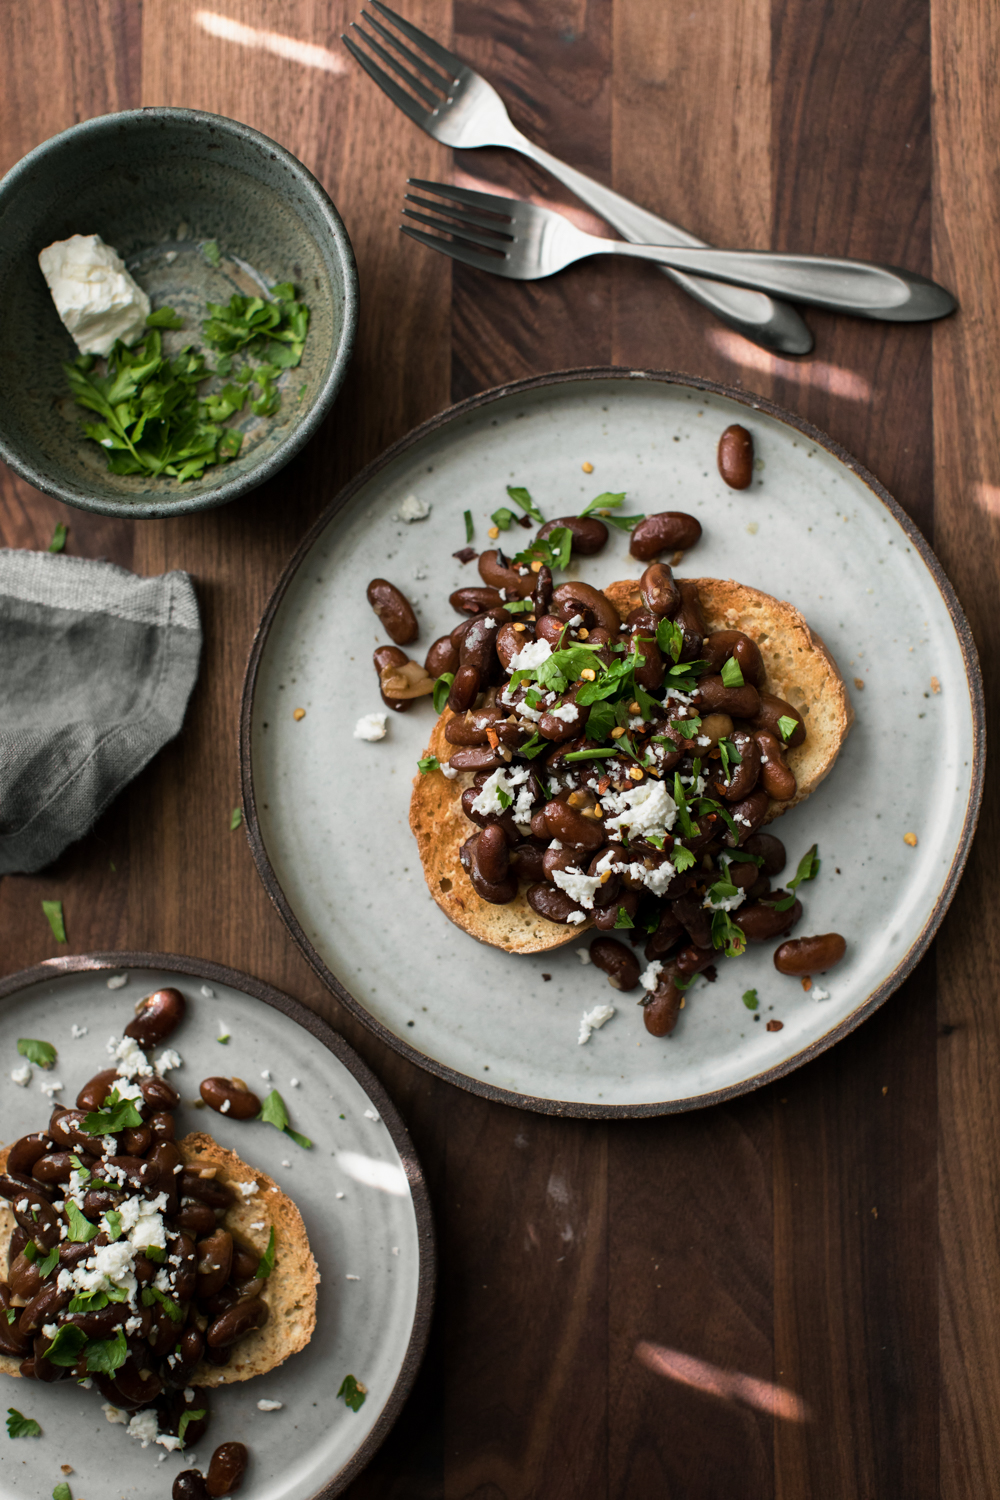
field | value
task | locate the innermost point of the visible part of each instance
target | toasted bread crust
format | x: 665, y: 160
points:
x: 798, y: 668
x: 291, y: 1288
x: 797, y: 664
x: 440, y: 828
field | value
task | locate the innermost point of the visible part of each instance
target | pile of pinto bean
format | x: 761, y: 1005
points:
x: 214, y: 1287
x: 490, y: 727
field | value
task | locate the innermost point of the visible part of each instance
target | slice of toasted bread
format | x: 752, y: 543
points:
x: 797, y: 664
x: 798, y: 667
x: 291, y: 1288
x: 440, y: 828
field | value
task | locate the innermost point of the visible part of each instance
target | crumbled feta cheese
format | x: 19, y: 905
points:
x: 579, y: 887
x: 246, y: 1188
x: 225, y: 1106
x: 266, y: 1073
x: 593, y: 1020
x: 96, y: 298
x: 513, y: 782
x: 412, y: 510
x: 50, y: 1330
x: 643, y: 809
x: 78, y: 1031
x: 370, y: 1114
x: 727, y: 903
x: 576, y: 917
x: 264, y: 1405
x: 208, y: 992
x: 650, y: 975
x: 818, y: 993
x: 116, y: 982
x: 50, y: 1086
x: 132, y: 1060
x: 114, y: 1413
x: 565, y: 713
x: 349, y: 1277
x: 293, y: 1083
x: 449, y: 771
x: 286, y: 1164
x: 338, y: 1195
x: 258, y: 1224
x: 583, y: 954
x: 127, y: 1089
x: 370, y: 727
x: 395, y: 1249
x: 22, y: 1075
x: 530, y: 656
x: 144, y: 1426
x: 167, y: 1061
x: 575, y: 622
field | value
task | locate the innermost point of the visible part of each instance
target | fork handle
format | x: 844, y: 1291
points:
x: 774, y: 325
x: 847, y: 286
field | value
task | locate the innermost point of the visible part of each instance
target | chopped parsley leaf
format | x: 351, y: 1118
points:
x: 787, y: 726
x: 42, y: 1054
x: 21, y: 1426
x: 151, y: 1294
x: 442, y: 687
x: 58, y: 541
x: 67, y: 1346
x: 54, y: 912
x: 235, y: 819
x: 428, y: 763
x: 468, y: 525
x: 105, y: 1356
x: 503, y: 518
x: 81, y: 1230
x: 808, y: 870
x: 273, y: 1112
x: 117, y: 1114
x: 186, y: 1418
x: 750, y: 999
x: 731, y: 675
x: 520, y: 497
x: 623, y: 919
x: 352, y: 1392
x: 266, y: 1265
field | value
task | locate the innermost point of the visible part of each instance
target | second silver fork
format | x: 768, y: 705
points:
x: 457, y: 106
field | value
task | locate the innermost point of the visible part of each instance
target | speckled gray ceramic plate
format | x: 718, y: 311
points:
x: 360, y: 1191
x: 327, y: 814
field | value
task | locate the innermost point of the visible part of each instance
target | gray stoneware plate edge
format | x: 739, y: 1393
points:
x: 212, y: 973
x: 945, y: 890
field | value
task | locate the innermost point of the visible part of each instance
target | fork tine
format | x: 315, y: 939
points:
x: 463, y: 215
x: 458, y: 252
x: 432, y: 74
x: 458, y: 229
x: 491, y: 202
x: 432, y: 100
x: 453, y: 65
x: 399, y: 97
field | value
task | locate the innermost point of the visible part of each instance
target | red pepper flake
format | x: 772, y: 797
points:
x: 466, y: 555
x: 807, y: 983
x: 603, y: 784
x: 493, y: 738
x: 775, y: 1025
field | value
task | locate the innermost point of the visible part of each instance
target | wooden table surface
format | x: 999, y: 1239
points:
x: 835, y: 1235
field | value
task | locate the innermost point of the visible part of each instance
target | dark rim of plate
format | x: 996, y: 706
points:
x: 181, y: 501
x: 880, y: 994
x: 198, y: 968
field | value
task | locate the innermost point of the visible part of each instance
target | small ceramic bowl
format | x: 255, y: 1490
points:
x: 161, y: 185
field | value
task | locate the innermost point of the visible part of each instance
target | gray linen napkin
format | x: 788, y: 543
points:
x: 96, y: 668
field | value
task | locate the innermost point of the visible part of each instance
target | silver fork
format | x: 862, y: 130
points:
x: 457, y: 106
x: 526, y: 242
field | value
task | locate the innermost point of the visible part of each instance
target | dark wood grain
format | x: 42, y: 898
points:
x: 793, y: 1295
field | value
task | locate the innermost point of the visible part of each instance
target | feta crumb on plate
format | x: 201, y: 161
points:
x: 370, y: 1114
x: 116, y: 982
x: 818, y: 993
x: 264, y: 1405
x: 593, y: 1020
x: 208, y: 992
x: 22, y: 1075
x: 412, y: 510
x: 583, y: 954
x: 349, y: 1277
x: 370, y: 727
x: 78, y: 1031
